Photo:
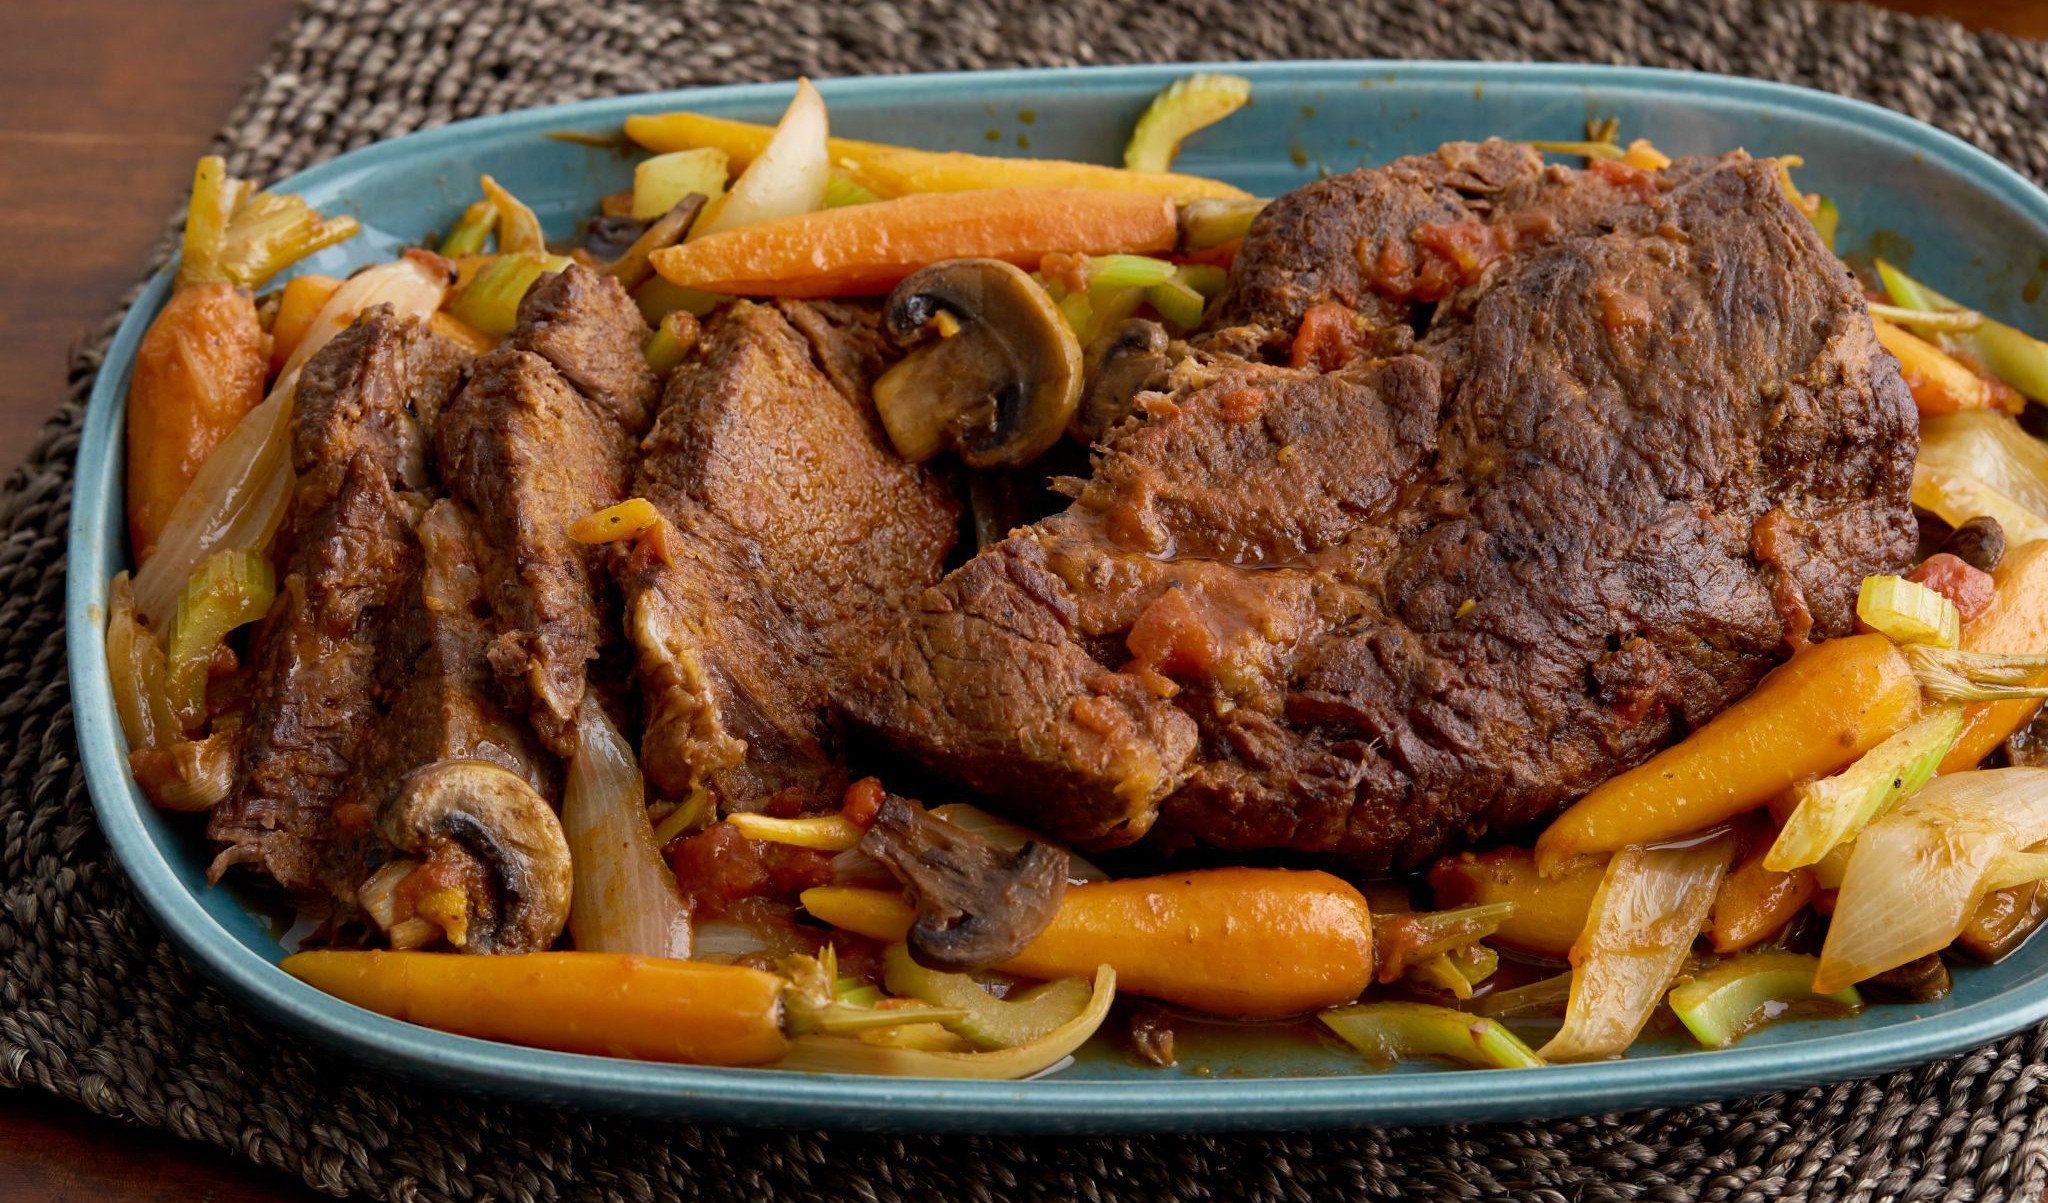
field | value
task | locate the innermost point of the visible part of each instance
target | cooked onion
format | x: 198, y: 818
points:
x: 239, y: 495
x: 624, y: 899
x: 789, y: 176
x: 1983, y: 457
x: 1917, y: 872
x: 1651, y: 904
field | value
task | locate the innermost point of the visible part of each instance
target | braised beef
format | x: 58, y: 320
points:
x: 1645, y: 445
x: 325, y: 674
x: 542, y: 436
x: 796, y: 538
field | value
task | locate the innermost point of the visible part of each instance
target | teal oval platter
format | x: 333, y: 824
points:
x: 1962, y: 221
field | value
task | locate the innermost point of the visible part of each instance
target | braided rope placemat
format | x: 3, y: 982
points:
x: 96, y: 1007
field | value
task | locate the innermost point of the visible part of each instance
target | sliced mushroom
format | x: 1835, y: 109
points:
x: 977, y: 904
x: 1001, y: 379
x: 510, y: 829
x: 1124, y: 362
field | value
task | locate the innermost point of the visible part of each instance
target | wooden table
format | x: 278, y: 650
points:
x: 103, y: 106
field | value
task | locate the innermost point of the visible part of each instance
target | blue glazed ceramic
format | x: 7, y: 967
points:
x: 1965, y: 223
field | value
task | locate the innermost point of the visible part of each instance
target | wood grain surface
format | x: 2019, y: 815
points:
x: 103, y: 106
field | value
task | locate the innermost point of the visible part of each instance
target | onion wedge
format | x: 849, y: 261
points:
x: 624, y: 899
x: 838, y: 1055
x: 1651, y: 904
x: 789, y: 175
x: 1917, y: 873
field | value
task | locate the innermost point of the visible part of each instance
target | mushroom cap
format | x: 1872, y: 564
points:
x: 1126, y: 360
x: 501, y: 820
x: 1001, y: 387
x: 977, y: 903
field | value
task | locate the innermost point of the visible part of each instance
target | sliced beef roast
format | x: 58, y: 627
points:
x: 1644, y: 445
x: 325, y: 673
x: 796, y: 537
x: 541, y: 436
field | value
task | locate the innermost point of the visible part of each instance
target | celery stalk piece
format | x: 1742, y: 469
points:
x: 1544, y: 998
x: 842, y: 189
x: 1938, y: 321
x: 986, y: 1021
x: 1186, y: 106
x: 1177, y: 303
x: 666, y: 348
x: 1213, y: 221
x: 660, y: 182
x: 830, y: 1054
x: 1740, y: 994
x: 471, y: 230
x: 231, y: 588
x: 1204, y: 278
x: 657, y: 298
x: 1440, y: 973
x: 272, y: 232
x: 1826, y: 220
x: 1387, y: 1032
x: 490, y: 302
x: 1833, y: 810
x: 1908, y: 612
x: 825, y: 833
x: 2013, y: 356
x: 1401, y: 939
x: 1142, y: 271
x: 206, y: 222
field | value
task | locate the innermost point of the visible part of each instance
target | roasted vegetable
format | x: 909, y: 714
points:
x: 662, y: 181
x: 624, y: 898
x: 1547, y: 914
x: 298, y: 303
x: 1918, y: 873
x: 1813, y: 715
x: 1756, y: 902
x: 1184, y: 107
x: 1244, y: 943
x: 2016, y: 358
x: 1402, y: 940
x: 787, y: 176
x: 519, y: 231
x: 1983, y: 455
x: 1831, y: 811
x: 233, y: 588
x: 1941, y: 384
x: 1388, y: 1032
x: 899, y: 171
x: 1652, y: 903
x: 869, y: 249
x: 1739, y: 995
x: 832, y: 1054
x: 490, y: 301
x: 1907, y: 612
x: 989, y: 1022
x: 2015, y: 622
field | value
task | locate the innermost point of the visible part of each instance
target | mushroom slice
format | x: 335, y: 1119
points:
x: 1000, y: 381
x: 977, y: 904
x: 510, y: 829
x: 1130, y: 358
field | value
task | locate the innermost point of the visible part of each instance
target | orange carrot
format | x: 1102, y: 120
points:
x: 200, y: 368
x: 297, y: 306
x: 1755, y: 902
x: 605, y: 1004
x: 861, y: 250
x: 1939, y: 382
x: 461, y: 333
x: 1246, y: 943
x: 1812, y: 716
x: 2015, y: 622
x: 1549, y: 913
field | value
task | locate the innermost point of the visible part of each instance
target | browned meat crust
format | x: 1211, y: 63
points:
x: 798, y: 536
x: 541, y: 436
x: 1646, y: 435
x: 324, y: 675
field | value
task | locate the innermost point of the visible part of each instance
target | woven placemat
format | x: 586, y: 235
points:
x: 96, y: 1007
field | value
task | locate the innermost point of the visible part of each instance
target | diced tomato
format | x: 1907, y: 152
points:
x: 1170, y: 637
x: 1970, y: 588
x: 863, y: 799
x: 1622, y: 175
x: 718, y: 866
x: 1330, y: 336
